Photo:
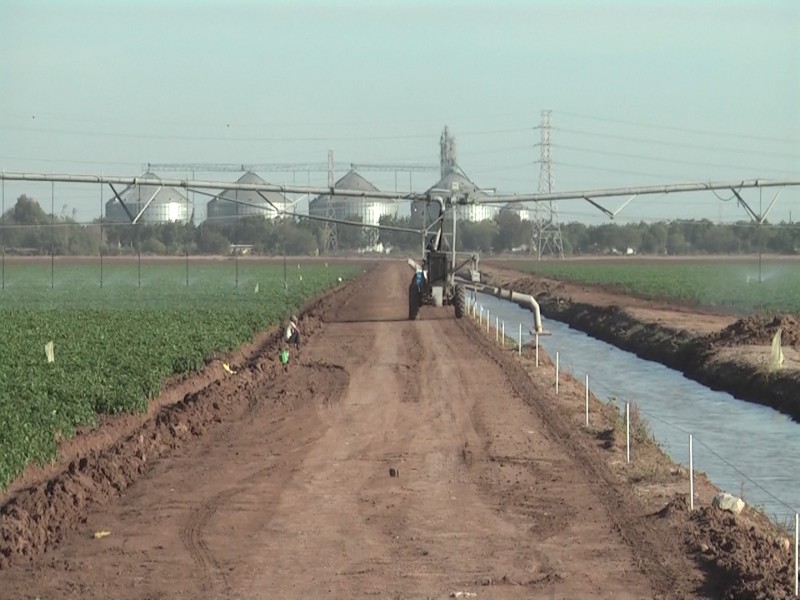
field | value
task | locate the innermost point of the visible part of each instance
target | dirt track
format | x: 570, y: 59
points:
x: 290, y: 496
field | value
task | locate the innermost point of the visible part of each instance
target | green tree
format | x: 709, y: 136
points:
x: 476, y: 236
x: 512, y: 232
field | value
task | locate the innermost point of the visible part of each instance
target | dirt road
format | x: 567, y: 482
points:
x: 291, y: 496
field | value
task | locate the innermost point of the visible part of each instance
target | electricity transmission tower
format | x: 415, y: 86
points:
x: 330, y: 234
x: 546, y: 236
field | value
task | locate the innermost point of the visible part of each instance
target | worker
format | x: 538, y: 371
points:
x: 420, y: 277
x: 293, y: 333
x: 284, y: 356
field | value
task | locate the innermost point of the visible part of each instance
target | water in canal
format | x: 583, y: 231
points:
x: 744, y: 448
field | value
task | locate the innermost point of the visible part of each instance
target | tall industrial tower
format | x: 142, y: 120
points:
x: 546, y: 236
x: 330, y: 233
x: 447, y: 152
x: 448, y: 164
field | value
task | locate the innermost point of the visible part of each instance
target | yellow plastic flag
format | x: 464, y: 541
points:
x: 227, y: 367
x: 776, y: 355
x: 48, y: 350
x: 101, y: 534
x: 256, y: 288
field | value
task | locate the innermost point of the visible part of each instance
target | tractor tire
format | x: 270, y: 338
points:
x: 460, y: 301
x: 414, y: 300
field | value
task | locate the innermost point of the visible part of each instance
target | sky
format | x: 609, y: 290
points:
x: 640, y: 93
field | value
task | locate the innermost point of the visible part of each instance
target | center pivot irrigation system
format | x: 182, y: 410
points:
x: 436, y: 281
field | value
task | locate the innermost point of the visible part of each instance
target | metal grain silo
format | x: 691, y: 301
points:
x: 354, y: 207
x: 151, y: 202
x: 469, y: 212
x: 236, y: 204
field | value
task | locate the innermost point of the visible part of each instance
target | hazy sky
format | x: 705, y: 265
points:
x: 640, y: 92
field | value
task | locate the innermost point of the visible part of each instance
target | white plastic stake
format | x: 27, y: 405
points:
x: 480, y: 318
x: 487, y: 321
x: 503, y: 337
x: 628, y: 432
x: 496, y: 329
x: 691, y: 474
x: 520, y: 339
x: 587, y: 400
x: 796, y: 561
x: 556, y: 373
x: 537, y: 350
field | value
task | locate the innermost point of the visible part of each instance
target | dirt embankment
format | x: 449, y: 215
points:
x: 717, y: 350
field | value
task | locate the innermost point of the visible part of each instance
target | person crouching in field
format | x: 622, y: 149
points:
x: 292, y: 335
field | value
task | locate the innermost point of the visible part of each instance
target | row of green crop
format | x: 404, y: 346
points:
x: 771, y: 287
x: 115, y: 345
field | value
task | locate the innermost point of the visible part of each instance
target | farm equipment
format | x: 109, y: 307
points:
x: 435, y: 281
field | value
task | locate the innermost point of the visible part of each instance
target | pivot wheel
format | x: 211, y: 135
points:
x: 460, y: 301
x: 414, y: 300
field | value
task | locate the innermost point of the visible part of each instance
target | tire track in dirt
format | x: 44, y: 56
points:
x: 192, y: 537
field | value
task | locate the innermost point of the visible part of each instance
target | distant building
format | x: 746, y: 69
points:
x: 155, y: 203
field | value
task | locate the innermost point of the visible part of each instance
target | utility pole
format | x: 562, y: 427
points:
x: 546, y: 236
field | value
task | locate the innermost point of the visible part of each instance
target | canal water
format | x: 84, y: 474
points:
x: 746, y: 449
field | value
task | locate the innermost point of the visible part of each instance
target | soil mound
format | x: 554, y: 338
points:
x: 758, y: 330
x: 749, y: 562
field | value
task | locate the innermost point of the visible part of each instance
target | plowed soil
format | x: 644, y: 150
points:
x: 393, y: 459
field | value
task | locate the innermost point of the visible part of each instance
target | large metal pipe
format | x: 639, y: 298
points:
x: 524, y: 300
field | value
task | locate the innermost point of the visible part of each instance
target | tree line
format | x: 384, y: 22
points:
x: 27, y: 228
x: 508, y: 233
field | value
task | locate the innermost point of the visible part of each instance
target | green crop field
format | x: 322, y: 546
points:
x: 729, y: 284
x: 115, y: 344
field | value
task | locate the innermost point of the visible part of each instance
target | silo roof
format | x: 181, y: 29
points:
x: 251, y: 196
x: 351, y: 181
x: 142, y: 192
x: 464, y: 184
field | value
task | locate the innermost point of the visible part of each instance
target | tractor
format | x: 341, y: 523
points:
x: 434, y: 282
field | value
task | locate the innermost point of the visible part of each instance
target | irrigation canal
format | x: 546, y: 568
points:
x: 746, y: 449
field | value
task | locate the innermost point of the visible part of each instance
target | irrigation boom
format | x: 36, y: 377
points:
x: 451, y: 198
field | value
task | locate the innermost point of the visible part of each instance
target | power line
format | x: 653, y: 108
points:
x: 682, y: 129
x: 623, y: 138
x: 608, y: 170
x: 228, y: 138
x: 668, y: 160
x: 70, y: 160
x: 213, y: 138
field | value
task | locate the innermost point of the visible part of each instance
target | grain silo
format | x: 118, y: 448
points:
x: 356, y: 208
x: 236, y: 204
x: 151, y: 202
x: 468, y: 212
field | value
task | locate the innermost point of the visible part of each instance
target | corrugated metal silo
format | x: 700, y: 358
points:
x: 236, y: 204
x: 160, y: 204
